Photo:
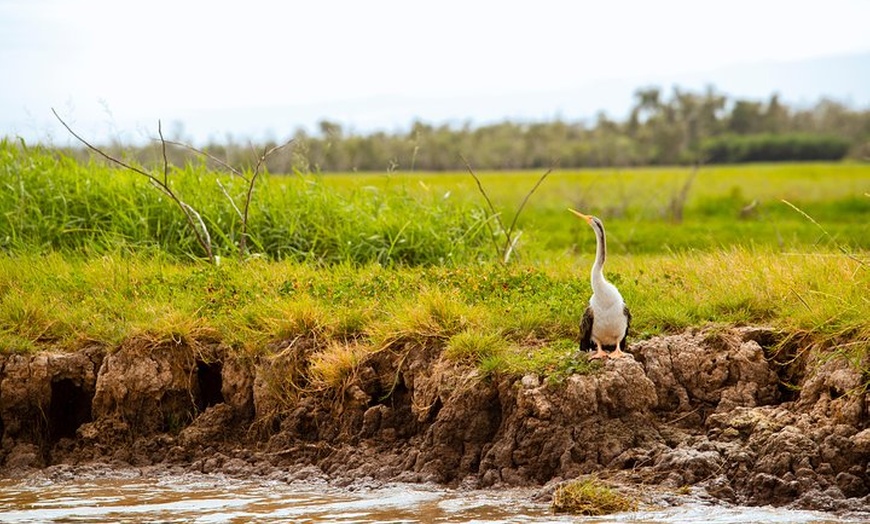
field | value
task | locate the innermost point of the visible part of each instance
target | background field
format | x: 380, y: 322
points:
x: 363, y: 262
x: 640, y: 205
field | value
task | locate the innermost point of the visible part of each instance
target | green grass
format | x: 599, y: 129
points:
x: 590, y: 497
x: 361, y: 263
x: 636, y: 205
x: 50, y: 203
x: 516, y: 319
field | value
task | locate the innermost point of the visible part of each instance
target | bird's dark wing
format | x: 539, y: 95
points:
x: 624, y: 342
x: 586, y: 331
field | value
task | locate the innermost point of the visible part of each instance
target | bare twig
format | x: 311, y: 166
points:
x: 250, y: 180
x: 523, y: 204
x: 194, y: 220
x: 211, y: 157
x: 509, y: 249
x: 163, y: 150
x: 267, y: 152
x: 104, y: 154
x: 510, y: 241
x: 230, y: 198
x: 201, y: 223
x: 493, y: 212
x: 485, y: 196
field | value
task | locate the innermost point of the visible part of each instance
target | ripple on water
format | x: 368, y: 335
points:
x: 214, y: 498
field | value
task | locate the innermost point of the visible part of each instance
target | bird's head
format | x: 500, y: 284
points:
x: 588, y: 218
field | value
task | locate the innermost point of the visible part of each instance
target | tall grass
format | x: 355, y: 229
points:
x: 636, y: 205
x: 49, y: 202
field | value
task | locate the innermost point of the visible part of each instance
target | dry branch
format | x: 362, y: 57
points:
x: 194, y: 220
x: 510, y: 241
x: 250, y: 180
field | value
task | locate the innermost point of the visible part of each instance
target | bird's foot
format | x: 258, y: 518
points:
x: 618, y: 353
x: 598, y: 354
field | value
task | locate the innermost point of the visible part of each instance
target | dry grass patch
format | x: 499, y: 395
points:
x: 336, y: 365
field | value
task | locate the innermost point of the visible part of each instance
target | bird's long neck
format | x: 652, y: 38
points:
x: 598, y: 280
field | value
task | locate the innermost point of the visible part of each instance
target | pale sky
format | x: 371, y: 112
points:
x: 115, y: 67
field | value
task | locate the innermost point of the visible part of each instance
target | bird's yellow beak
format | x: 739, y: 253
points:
x: 587, y: 218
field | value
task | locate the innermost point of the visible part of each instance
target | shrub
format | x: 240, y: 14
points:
x: 774, y: 148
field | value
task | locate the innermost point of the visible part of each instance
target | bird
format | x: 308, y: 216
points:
x: 606, y: 320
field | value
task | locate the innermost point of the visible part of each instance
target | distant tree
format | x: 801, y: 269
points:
x: 746, y: 118
x: 775, y: 116
x: 676, y: 128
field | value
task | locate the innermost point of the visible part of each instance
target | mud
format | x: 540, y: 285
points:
x: 711, y: 410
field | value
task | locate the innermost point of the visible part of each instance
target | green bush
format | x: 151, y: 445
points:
x: 774, y: 148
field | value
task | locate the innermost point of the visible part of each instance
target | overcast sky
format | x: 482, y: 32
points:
x: 118, y: 66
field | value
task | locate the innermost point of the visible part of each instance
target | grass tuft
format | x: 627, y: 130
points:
x: 473, y: 347
x: 30, y: 318
x: 336, y: 365
x: 432, y: 317
x: 590, y: 497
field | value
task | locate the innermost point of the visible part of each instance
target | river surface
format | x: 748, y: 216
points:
x: 213, y: 498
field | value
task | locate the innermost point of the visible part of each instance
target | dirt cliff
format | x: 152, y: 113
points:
x: 713, y: 408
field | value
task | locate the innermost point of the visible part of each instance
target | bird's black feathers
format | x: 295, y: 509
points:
x: 586, y: 343
x: 624, y: 342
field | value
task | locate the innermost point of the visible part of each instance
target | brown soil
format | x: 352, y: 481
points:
x: 712, y: 409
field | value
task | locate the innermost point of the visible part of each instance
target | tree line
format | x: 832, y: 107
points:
x: 679, y: 127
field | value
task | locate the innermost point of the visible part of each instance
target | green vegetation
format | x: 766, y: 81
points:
x: 505, y: 319
x: 590, y: 497
x: 367, y: 263
x: 51, y: 203
x: 774, y: 148
x: 661, y: 129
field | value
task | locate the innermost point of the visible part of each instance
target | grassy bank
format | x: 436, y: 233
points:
x: 368, y: 262
x: 514, y: 319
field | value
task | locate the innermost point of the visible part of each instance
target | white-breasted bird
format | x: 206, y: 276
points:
x: 605, y: 322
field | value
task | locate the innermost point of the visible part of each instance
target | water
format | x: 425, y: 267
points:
x: 133, y: 498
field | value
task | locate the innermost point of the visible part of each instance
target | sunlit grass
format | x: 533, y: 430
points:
x: 636, y: 204
x: 642, y: 186
x: 51, y: 203
x: 516, y: 319
x: 472, y: 347
x: 433, y: 316
x: 590, y: 497
x: 335, y: 365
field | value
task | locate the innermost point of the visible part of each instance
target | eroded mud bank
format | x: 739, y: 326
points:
x: 706, y: 408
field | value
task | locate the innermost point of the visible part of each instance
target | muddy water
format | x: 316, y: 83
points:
x: 205, y: 499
